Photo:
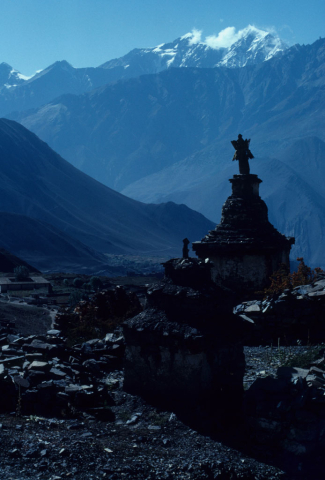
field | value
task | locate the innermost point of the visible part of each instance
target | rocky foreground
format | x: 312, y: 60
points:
x: 66, y: 415
x: 64, y: 411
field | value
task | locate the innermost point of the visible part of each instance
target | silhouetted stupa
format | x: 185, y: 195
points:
x: 245, y: 248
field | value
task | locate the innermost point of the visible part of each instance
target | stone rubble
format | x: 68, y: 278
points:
x: 286, y: 412
x: 41, y: 375
x: 64, y: 412
x: 297, y: 314
x: 69, y: 417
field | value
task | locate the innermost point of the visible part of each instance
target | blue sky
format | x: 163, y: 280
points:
x: 36, y: 33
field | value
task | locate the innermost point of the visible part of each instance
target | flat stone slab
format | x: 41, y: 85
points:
x: 54, y: 332
x: 33, y: 356
x: 58, y: 373
x: 252, y: 308
x: 247, y: 319
x: 40, y: 366
x: 293, y: 372
x: 12, y: 360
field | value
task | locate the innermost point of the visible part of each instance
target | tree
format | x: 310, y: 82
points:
x: 66, y: 282
x: 77, y: 282
x: 21, y: 273
x: 75, y: 298
x: 87, y: 286
x: 95, y: 283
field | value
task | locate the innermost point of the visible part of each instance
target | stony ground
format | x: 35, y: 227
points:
x: 27, y: 318
x: 265, y: 360
x: 140, y: 442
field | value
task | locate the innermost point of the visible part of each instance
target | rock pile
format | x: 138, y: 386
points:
x: 101, y: 313
x: 287, y: 412
x: 41, y: 375
x: 297, y: 314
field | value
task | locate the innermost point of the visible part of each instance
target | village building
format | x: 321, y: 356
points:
x: 9, y: 284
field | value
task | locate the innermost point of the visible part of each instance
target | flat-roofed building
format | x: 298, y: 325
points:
x: 9, y: 284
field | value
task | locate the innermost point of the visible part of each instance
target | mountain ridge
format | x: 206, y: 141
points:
x: 157, y: 120
x: 18, y: 92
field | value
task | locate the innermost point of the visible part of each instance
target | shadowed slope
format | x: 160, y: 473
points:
x: 38, y: 183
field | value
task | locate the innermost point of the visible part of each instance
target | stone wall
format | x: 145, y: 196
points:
x: 287, y: 413
x: 294, y: 315
x: 184, y: 352
x: 180, y: 368
x: 246, y: 272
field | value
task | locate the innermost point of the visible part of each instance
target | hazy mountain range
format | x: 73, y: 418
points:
x: 166, y: 135
x: 18, y: 92
x: 55, y: 216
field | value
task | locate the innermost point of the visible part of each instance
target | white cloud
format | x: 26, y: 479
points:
x: 228, y: 36
x: 225, y: 38
x: 196, y: 37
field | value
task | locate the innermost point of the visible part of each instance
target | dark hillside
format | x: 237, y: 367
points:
x: 37, y: 183
x: 8, y: 262
x: 45, y: 246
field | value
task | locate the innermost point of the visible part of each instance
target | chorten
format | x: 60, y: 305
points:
x: 245, y: 248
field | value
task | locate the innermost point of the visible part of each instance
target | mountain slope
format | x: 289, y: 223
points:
x: 57, y: 79
x: 38, y: 183
x: 10, y: 77
x: 128, y: 130
x: 8, y: 262
x: 18, y: 92
x: 45, y: 246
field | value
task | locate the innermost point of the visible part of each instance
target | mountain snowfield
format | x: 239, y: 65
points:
x: 250, y: 45
x: 157, y: 131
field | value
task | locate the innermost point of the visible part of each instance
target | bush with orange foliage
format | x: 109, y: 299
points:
x: 282, y: 279
x: 99, y: 315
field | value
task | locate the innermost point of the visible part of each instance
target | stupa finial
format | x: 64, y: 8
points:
x: 242, y: 154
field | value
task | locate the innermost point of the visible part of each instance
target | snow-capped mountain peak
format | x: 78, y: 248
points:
x: 9, y: 77
x: 249, y: 45
x: 229, y: 48
x: 252, y: 46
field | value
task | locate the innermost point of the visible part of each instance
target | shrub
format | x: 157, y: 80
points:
x: 87, y: 286
x: 95, y: 283
x: 21, y: 273
x: 76, y: 297
x: 100, y: 314
x: 282, y: 279
x: 78, y: 283
x: 306, y: 358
